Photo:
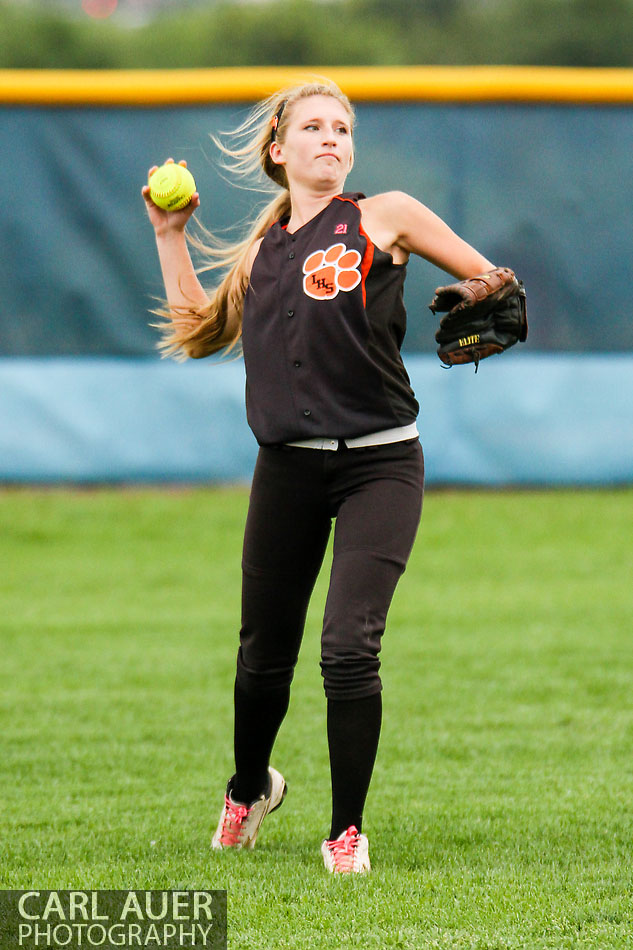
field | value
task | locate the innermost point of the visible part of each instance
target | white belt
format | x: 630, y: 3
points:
x: 384, y: 437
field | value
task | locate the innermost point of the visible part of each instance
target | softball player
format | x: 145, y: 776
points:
x: 315, y: 293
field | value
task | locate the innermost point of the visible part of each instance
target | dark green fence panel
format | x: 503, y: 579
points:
x: 544, y: 189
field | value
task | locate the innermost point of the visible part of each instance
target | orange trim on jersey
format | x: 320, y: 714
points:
x: 368, y: 256
x: 367, y: 261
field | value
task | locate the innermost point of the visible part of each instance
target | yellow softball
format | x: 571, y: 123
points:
x: 171, y: 187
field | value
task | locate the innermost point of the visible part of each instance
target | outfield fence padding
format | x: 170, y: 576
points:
x: 531, y: 166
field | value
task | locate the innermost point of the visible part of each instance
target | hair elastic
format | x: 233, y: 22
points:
x: 276, y: 119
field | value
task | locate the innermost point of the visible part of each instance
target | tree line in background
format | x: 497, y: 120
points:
x: 313, y: 32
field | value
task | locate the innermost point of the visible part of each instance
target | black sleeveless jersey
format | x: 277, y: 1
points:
x: 323, y: 324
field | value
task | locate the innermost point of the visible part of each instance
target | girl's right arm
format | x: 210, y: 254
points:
x: 182, y: 287
x: 187, y: 300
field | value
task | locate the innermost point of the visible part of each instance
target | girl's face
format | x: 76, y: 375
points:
x: 317, y: 149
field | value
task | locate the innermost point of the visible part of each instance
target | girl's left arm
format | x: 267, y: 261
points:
x: 418, y: 230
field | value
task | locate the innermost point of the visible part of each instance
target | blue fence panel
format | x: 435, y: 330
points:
x: 523, y: 419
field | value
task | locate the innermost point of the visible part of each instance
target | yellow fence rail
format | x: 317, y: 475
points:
x: 474, y: 84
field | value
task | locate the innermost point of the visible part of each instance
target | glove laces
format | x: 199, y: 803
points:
x: 475, y: 355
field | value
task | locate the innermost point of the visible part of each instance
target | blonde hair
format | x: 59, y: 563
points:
x: 194, y: 332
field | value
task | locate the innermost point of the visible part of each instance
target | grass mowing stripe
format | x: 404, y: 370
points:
x: 500, y: 811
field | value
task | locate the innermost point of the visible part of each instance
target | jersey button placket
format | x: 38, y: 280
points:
x: 290, y: 314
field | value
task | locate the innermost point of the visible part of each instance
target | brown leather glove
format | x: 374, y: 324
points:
x: 484, y: 315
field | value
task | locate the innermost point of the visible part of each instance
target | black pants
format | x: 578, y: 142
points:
x: 375, y: 494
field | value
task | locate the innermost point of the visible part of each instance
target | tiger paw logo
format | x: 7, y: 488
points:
x: 327, y: 272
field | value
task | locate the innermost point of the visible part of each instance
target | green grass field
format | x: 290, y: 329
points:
x: 501, y: 811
